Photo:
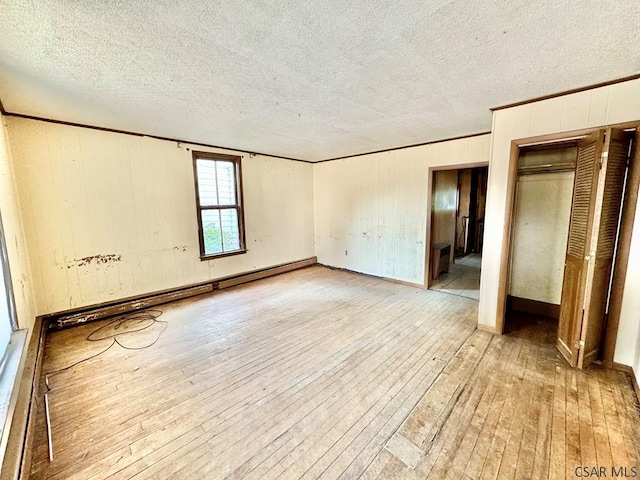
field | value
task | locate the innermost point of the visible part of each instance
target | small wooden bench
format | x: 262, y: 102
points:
x: 440, y: 254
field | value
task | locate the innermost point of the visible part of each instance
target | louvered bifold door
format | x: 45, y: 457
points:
x: 576, y: 260
x: 593, y: 231
x: 603, y: 237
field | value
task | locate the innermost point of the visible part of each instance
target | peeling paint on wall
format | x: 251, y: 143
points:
x: 129, y: 215
x: 95, y: 260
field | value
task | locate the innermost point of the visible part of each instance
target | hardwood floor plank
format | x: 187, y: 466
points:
x: 360, y: 452
x: 557, y: 463
x: 359, y: 404
x: 193, y: 463
x: 481, y: 449
x: 208, y: 406
x: 540, y: 425
x: 447, y: 435
x: 422, y: 424
x: 333, y: 413
x: 600, y: 433
x: 587, y: 440
x: 500, y: 437
x: 310, y: 374
x: 628, y: 412
x: 284, y: 414
x: 619, y: 455
x: 457, y: 454
x: 572, y: 424
x: 376, y: 466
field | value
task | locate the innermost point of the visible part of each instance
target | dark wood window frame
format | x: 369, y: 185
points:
x: 238, y: 207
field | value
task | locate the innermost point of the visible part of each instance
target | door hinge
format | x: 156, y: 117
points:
x: 580, y: 345
x: 603, y: 157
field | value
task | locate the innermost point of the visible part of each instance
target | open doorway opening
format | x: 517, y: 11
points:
x: 457, y: 229
x: 540, y: 225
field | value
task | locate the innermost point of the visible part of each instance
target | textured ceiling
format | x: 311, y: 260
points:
x: 305, y: 79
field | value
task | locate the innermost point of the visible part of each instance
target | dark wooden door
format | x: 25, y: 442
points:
x: 595, y: 212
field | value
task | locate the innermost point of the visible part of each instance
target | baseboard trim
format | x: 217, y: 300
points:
x: 628, y: 369
x: 16, y: 463
x: 403, y: 282
x: 342, y: 269
x: 489, y: 329
x: 129, y: 306
x: 234, y: 280
x: 99, y: 311
x: 386, y: 279
x: 533, y: 307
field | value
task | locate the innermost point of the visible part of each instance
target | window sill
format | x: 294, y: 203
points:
x: 220, y: 255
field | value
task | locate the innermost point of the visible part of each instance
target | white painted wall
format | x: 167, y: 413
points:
x: 540, y: 228
x: 14, y: 236
x: 372, y: 211
x: 85, y: 192
x: 600, y: 106
x: 628, y: 344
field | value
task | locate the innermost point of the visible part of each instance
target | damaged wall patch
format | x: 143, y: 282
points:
x: 95, y: 260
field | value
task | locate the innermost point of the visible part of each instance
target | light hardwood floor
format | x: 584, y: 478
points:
x: 326, y: 374
x: 509, y: 407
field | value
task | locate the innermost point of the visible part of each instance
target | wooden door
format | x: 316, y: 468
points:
x: 595, y: 212
x: 573, y: 283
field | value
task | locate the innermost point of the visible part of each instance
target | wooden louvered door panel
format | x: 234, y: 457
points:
x: 604, y: 236
x: 575, y: 269
x: 593, y: 230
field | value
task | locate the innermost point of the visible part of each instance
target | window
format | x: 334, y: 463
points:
x: 219, y: 200
x: 12, y: 343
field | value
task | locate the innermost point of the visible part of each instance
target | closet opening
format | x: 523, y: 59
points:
x: 571, y: 207
x: 540, y: 226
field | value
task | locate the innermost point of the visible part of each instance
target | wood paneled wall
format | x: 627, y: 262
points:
x: 109, y: 215
x: 445, y: 200
x: 372, y: 212
x: 14, y: 235
x: 591, y: 108
x: 464, y: 181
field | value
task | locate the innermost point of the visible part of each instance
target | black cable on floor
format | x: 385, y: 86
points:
x: 129, y: 323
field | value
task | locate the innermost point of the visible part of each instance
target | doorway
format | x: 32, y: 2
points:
x: 457, y: 228
x: 596, y: 230
x: 540, y: 225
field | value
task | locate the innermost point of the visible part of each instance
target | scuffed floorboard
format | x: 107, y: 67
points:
x: 321, y: 373
x: 509, y: 407
x: 304, y: 375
